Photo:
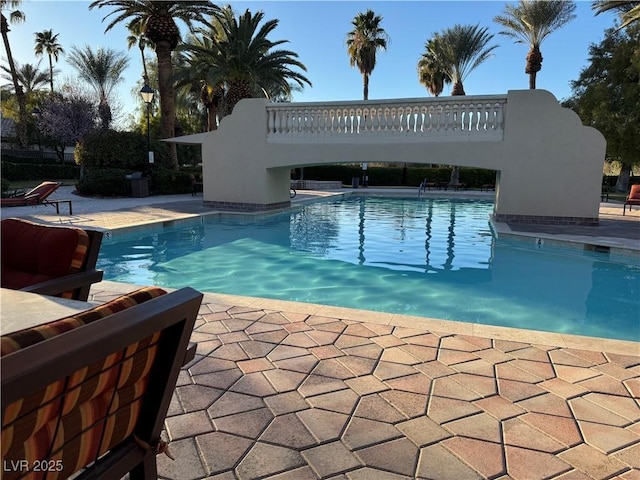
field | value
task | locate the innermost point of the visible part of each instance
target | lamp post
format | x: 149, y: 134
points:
x: 147, y: 96
x: 36, y: 112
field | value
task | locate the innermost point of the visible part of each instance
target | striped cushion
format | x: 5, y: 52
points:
x: 34, y: 253
x: 81, y: 417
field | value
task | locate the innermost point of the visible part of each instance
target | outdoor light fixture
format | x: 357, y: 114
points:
x: 147, y: 96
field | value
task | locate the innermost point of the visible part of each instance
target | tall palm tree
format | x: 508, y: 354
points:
x: 137, y: 38
x: 366, y: 38
x: 459, y: 50
x: 156, y: 18
x: 30, y: 76
x: 47, y: 42
x: 15, y: 16
x: 530, y: 22
x: 629, y: 10
x: 238, y: 55
x: 102, y: 70
x: 431, y: 72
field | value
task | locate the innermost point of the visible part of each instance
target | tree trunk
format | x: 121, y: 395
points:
x: 366, y: 86
x: 622, y: 184
x: 167, y: 100
x: 458, y: 89
x: 51, y: 73
x: 533, y: 65
x: 21, y: 125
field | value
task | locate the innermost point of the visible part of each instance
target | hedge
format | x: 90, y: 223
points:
x: 38, y: 171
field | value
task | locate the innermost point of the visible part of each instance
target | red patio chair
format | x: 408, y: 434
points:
x: 633, y: 198
x: 35, y: 196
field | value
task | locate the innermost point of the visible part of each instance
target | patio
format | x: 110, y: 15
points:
x: 284, y: 390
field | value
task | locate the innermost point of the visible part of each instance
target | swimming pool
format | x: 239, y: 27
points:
x: 431, y: 257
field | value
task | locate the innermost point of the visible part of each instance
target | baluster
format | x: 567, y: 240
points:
x: 411, y: 120
x: 499, y: 116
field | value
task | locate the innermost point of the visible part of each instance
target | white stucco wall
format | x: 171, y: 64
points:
x: 550, y: 164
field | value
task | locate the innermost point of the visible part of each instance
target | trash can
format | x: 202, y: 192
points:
x: 355, y: 181
x: 139, y: 185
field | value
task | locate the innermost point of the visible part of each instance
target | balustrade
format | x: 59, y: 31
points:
x: 481, y: 117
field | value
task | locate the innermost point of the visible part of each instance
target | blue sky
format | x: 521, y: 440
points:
x: 317, y: 31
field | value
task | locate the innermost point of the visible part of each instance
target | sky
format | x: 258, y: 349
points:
x: 317, y: 31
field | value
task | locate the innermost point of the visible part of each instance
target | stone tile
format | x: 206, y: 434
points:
x: 255, y: 365
x: 562, y: 388
x: 499, y: 407
x: 295, y: 317
x: 633, y: 387
x: 323, y: 338
x: 188, y: 425
x: 369, y: 350
x: 565, y: 357
x: 359, y: 330
x: 486, y: 458
x: 375, y: 407
x: 197, y: 397
x: 388, y: 370
x: 452, y: 357
x: 260, y: 327
x: 273, y: 336
x: 256, y: 348
x: 616, y: 371
x: 595, y: 358
x: 231, y: 351
x: 459, y: 342
x: 410, y: 404
x: 435, y: 369
x: 541, y: 370
x: 299, y: 340
x: 302, y: 364
x: 220, y: 380
x: 422, y: 353
x: 493, y: 356
x: 362, y: 432
x: 416, y: 383
x: 214, y: 327
x: 366, y: 384
x: 447, y: 387
x: 607, y: 438
x: 436, y: 462
x: 221, y: 451
x: 590, y: 412
x: 509, y: 346
x: 630, y: 456
x: 284, y: 380
x: 564, y: 430
x: 574, y: 475
x: 210, y: 364
x: 232, y: 402
x: 444, y: 410
x: 326, y: 324
x: 316, y: 385
x: 288, y: 431
x: 188, y: 468
x: 476, y: 367
x: 422, y: 431
x: 630, y: 475
x: 349, y: 341
x: 295, y: 327
x: 379, y: 328
x: 330, y: 459
x: 481, y: 426
x: 516, y: 391
x: 263, y: 460
x: 484, y: 386
x: 525, y: 464
x: 332, y: 368
x: 386, y: 341
x: 399, y: 355
x: 404, y: 332
x: 548, y: 403
x: 236, y: 324
x: 520, y: 434
x: 246, y: 424
x: 175, y: 407
x: 284, y: 403
x: 275, y: 318
x: 399, y: 456
x: 358, y: 365
x: 232, y: 337
x: 325, y: 426
x: 205, y: 347
x: 508, y: 371
x: 282, y: 352
x: 303, y: 473
x: 575, y: 374
x: 531, y: 353
x: 342, y: 401
x: 326, y: 351
x: 373, y: 473
x: 255, y: 384
x: 592, y: 462
x: 622, y: 406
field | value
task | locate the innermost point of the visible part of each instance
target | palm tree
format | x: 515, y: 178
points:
x: 458, y: 50
x: 431, y: 73
x: 156, y: 19
x: 16, y: 16
x: 47, y: 42
x: 137, y: 38
x: 629, y: 10
x: 102, y: 70
x: 530, y: 22
x: 30, y: 76
x: 237, y: 54
x: 366, y: 38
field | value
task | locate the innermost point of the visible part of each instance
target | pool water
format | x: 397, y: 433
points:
x: 432, y: 258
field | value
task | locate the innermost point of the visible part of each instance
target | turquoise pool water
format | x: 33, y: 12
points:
x: 432, y: 257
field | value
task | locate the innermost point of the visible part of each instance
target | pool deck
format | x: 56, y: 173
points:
x: 292, y: 391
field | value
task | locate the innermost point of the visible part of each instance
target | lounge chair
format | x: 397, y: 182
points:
x: 51, y: 260
x: 87, y: 395
x: 35, y: 196
x: 633, y: 198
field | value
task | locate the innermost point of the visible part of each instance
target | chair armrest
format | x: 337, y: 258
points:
x: 57, y: 286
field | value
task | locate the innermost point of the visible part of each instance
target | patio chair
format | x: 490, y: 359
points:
x: 35, y: 196
x: 633, y: 198
x: 46, y: 259
x: 87, y: 395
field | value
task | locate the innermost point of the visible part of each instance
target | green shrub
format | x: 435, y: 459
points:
x: 169, y: 182
x: 105, y: 182
x: 5, y: 184
x: 112, y: 149
x: 31, y: 171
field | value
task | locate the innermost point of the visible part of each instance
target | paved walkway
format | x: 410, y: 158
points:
x: 290, y: 391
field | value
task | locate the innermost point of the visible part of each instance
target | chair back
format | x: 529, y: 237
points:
x: 43, y: 190
x: 634, y: 193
